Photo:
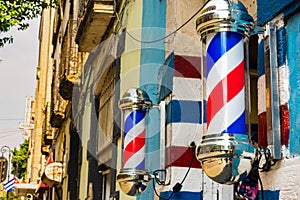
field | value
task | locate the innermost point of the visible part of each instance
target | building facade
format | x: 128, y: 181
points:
x: 93, y: 51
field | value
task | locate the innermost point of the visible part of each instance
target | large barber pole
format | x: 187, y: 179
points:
x: 225, y: 83
x: 134, y: 177
x: 225, y: 152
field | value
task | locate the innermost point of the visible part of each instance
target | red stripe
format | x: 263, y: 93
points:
x: 224, y: 91
x: 179, y: 156
x: 262, y: 130
x: 134, y: 146
x: 285, y: 124
x: 186, y: 66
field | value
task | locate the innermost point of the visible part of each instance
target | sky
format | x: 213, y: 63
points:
x: 18, y: 62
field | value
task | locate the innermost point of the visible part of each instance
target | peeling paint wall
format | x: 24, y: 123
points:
x: 293, y: 57
x: 267, y: 10
x: 282, y: 181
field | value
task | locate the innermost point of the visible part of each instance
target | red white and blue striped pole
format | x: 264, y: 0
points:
x: 225, y: 84
x: 225, y: 152
x: 134, y: 139
x: 133, y: 178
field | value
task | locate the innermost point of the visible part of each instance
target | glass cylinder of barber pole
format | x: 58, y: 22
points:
x: 133, y: 178
x: 225, y: 152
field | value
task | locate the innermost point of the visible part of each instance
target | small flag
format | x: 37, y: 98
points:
x: 10, y: 185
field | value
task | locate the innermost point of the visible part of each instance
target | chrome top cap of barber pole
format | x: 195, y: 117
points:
x: 224, y: 15
x: 135, y: 98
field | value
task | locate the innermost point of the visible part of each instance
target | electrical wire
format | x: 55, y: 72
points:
x: 10, y: 119
x: 261, y: 187
x: 10, y: 134
x: 266, y: 166
x: 177, y: 187
x: 5, y: 131
x: 172, y: 33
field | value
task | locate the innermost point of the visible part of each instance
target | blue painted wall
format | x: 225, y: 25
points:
x: 293, y: 55
x: 184, y: 112
x: 269, y: 195
x: 181, y: 195
x: 268, y: 9
x: 152, y: 58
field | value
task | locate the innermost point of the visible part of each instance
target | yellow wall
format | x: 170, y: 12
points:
x: 86, y: 119
x: 130, y: 61
x: 67, y: 158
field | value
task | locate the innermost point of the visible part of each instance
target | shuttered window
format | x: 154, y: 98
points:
x: 106, y: 87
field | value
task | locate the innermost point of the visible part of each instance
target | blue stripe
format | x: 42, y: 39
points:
x: 152, y: 57
x: 281, y: 46
x: 261, y: 59
x: 184, y: 112
x: 219, y: 45
x: 238, y: 126
x: 133, y: 118
x: 269, y: 195
x: 11, y: 189
x: 11, y: 182
x: 141, y: 165
x: 181, y: 195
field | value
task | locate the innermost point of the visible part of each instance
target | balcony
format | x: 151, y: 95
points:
x: 58, y: 113
x: 45, y: 149
x: 66, y: 89
x: 48, y: 137
x: 94, y: 21
x: 57, y: 119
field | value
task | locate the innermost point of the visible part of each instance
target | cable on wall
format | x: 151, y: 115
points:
x: 165, y: 37
x: 177, y: 187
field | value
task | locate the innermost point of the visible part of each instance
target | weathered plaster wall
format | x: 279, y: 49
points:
x: 267, y: 10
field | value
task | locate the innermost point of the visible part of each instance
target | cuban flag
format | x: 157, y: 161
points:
x: 10, y: 185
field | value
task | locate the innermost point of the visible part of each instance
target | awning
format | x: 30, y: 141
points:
x: 21, y: 189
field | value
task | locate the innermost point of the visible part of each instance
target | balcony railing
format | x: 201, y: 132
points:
x: 94, y: 18
x: 71, y: 62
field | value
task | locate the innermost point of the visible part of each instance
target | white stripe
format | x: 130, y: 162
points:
x: 193, y: 180
x: 9, y: 188
x: 209, y: 37
x: 261, y: 98
x: 176, y: 137
x: 228, y: 114
x: 225, y: 65
x: 9, y: 183
x: 134, y: 132
x: 187, y: 88
x: 135, y: 159
x: 283, y: 84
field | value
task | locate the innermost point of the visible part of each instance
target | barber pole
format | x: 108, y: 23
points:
x: 134, y: 139
x: 225, y: 153
x: 225, y: 84
x: 133, y: 178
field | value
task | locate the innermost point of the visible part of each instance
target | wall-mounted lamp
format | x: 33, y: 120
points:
x: 225, y: 153
x: 133, y: 178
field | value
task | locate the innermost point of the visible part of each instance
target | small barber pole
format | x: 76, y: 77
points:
x: 133, y: 177
x: 225, y: 152
x: 134, y: 139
